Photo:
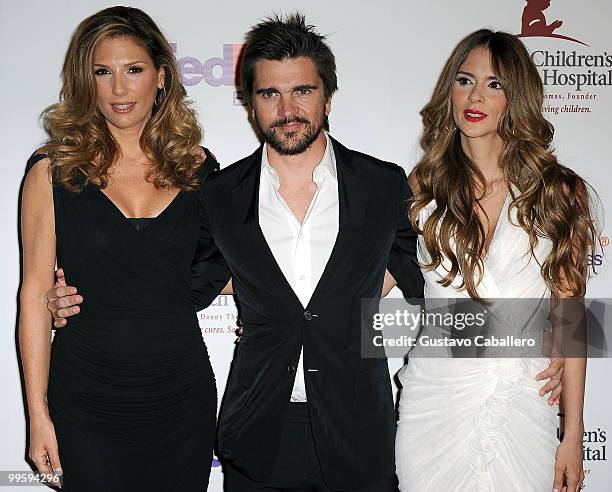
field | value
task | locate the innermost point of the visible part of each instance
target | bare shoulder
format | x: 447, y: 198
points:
x: 37, y: 194
x: 38, y: 175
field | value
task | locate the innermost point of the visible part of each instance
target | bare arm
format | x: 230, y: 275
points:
x: 568, y: 319
x: 38, y: 238
x: 569, y: 464
x: 574, y: 376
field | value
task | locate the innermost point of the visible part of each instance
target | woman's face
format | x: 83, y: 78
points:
x: 127, y: 83
x: 477, y: 97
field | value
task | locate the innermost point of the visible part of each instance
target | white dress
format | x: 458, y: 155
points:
x: 479, y: 424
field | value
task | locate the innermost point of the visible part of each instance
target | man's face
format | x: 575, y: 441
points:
x: 289, y: 103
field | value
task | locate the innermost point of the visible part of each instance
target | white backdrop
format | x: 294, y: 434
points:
x: 389, y: 55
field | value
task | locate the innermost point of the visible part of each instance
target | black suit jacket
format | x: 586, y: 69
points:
x: 349, y: 398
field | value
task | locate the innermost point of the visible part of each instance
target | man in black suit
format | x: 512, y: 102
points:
x: 307, y: 228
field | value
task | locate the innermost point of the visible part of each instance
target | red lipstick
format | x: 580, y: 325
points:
x: 473, y: 115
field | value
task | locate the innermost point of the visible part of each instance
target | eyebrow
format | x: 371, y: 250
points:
x: 491, y: 77
x: 125, y: 64
x: 293, y: 89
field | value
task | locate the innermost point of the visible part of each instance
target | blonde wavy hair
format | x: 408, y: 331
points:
x: 552, y: 201
x: 80, y: 146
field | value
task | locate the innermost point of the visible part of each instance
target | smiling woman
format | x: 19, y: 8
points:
x: 127, y: 82
x: 133, y: 73
x: 124, y: 398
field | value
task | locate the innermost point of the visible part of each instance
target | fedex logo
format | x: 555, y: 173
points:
x: 215, y: 71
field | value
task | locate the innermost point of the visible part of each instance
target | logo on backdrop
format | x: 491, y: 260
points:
x: 596, y: 261
x: 594, y: 447
x: 573, y: 74
x: 534, y: 24
x: 219, y: 318
x: 594, y: 444
x: 217, y: 71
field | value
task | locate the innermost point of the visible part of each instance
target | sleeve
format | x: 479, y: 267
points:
x: 209, y: 273
x: 403, y: 264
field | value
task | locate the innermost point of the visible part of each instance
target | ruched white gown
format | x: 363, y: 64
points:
x: 476, y: 425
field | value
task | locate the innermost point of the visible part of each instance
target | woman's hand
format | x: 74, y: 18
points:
x: 569, y: 473
x: 43, y: 447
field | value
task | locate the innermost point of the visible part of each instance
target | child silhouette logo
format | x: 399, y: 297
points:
x: 533, y: 22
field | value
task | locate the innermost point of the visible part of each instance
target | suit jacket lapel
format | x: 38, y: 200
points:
x: 246, y: 198
x: 353, y: 195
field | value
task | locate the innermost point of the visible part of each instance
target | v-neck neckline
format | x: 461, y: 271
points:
x: 126, y: 219
x: 498, y: 225
x: 351, y: 211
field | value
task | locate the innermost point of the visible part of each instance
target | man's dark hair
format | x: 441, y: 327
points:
x: 280, y: 39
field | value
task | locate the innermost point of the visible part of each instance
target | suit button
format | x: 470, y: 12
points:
x: 307, y: 315
x: 291, y: 369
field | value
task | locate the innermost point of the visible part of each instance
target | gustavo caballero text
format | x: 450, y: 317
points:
x: 477, y: 341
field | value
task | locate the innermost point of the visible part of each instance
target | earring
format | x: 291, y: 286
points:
x: 160, y: 96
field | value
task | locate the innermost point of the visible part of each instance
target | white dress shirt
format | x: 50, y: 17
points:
x: 301, y: 250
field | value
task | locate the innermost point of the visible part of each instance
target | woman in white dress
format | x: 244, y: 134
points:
x: 499, y: 218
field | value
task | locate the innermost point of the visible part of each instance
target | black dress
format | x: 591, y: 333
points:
x: 131, y: 390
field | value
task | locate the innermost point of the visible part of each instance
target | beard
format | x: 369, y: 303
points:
x: 293, y: 143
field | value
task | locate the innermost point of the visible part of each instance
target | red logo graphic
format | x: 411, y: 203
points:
x: 533, y: 22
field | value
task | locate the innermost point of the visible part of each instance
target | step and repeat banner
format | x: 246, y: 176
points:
x: 389, y: 54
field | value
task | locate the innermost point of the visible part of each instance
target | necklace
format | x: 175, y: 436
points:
x: 491, y: 190
x: 486, y: 195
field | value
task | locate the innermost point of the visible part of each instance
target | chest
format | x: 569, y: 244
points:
x: 299, y: 224
x: 511, y: 268
x: 92, y: 224
x: 298, y: 199
x: 489, y: 214
x: 139, y: 198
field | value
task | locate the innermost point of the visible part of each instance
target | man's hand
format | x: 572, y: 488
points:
x: 62, y: 300
x: 239, y: 331
x: 553, y: 373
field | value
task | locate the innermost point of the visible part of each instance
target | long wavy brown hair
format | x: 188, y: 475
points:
x: 552, y: 201
x: 81, y: 147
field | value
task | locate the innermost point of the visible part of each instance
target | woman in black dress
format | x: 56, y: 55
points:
x: 125, y: 399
